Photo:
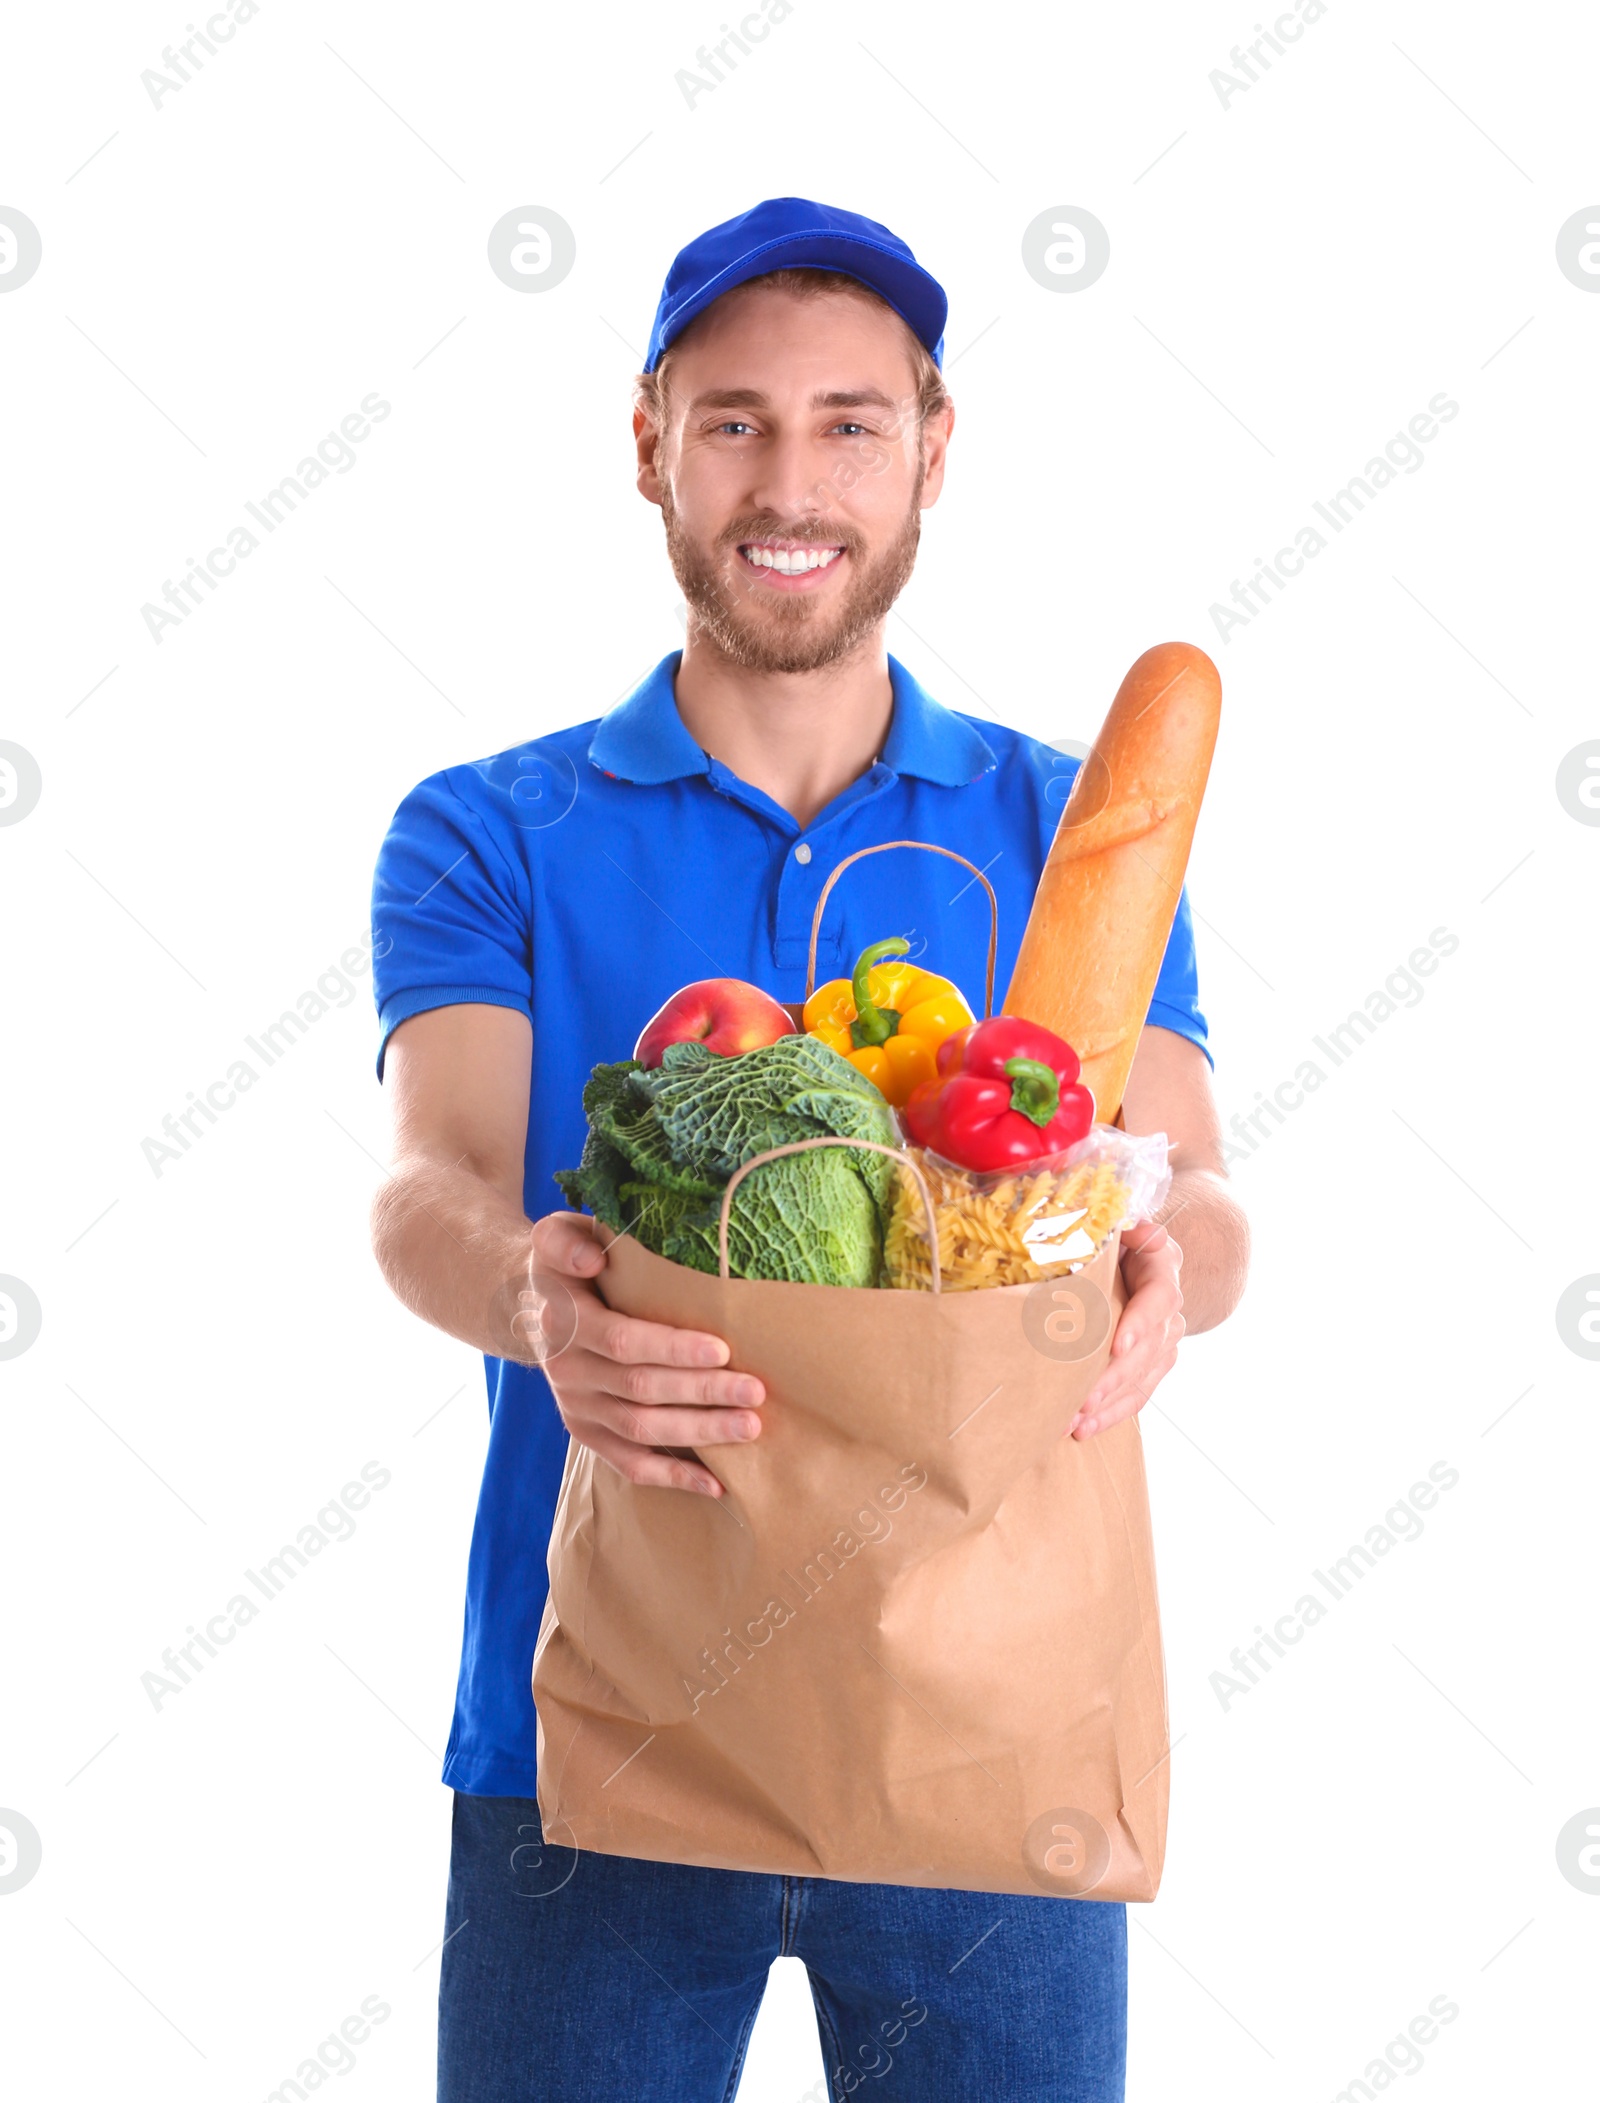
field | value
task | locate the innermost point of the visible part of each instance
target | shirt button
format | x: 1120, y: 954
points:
x: 802, y: 853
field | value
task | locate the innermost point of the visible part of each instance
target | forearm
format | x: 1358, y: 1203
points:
x: 454, y: 1249
x: 1209, y: 1226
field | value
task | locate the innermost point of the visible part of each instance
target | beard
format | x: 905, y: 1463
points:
x: 787, y: 635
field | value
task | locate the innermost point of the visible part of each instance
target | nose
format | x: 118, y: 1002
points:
x: 789, y: 481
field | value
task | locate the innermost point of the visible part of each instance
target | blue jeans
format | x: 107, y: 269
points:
x: 598, y: 1979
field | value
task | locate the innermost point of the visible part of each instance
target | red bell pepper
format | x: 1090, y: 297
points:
x: 1006, y: 1093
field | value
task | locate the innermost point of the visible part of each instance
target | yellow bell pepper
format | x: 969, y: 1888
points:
x: 888, y: 1020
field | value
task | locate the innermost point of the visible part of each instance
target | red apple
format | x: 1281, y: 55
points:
x: 726, y: 1013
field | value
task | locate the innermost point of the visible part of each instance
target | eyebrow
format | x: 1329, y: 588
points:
x: 832, y: 398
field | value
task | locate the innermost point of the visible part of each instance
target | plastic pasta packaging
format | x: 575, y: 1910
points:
x: 1042, y: 1219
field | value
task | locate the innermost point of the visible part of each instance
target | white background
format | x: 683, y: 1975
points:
x: 1297, y: 274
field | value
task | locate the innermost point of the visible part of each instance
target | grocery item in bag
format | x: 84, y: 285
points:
x: 1042, y: 1219
x: 1092, y: 949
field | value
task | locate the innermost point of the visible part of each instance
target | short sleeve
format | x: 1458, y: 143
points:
x: 452, y: 913
x: 1175, y: 1005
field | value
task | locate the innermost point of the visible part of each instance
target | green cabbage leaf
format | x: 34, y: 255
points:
x: 662, y: 1145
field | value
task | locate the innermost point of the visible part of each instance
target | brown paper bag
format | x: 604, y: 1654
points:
x: 917, y: 1641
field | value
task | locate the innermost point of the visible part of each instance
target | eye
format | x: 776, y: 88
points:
x: 850, y: 427
x: 732, y: 424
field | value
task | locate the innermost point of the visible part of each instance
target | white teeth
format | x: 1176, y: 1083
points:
x: 791, y: 562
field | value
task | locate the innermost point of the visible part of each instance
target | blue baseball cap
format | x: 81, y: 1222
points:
x: 785, y: 233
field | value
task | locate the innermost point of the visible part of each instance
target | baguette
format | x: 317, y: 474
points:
x: 1103, y: 912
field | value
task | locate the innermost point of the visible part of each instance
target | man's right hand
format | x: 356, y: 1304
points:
x: 627, y: 1389
x: 453, y: 1241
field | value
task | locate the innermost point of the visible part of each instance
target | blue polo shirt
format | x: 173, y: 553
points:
x: 583, y: 877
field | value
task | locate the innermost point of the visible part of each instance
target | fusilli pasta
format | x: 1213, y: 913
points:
x: 999, y: 1232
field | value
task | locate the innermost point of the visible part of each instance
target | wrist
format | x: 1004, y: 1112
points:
x: 533, y: 1314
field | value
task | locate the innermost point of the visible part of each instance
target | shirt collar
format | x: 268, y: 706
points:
x: 643, y: 738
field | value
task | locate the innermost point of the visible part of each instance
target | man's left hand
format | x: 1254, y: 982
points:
x: 1145, y: 1347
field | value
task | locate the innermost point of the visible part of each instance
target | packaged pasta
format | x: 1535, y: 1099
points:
x: 1042, y: 1219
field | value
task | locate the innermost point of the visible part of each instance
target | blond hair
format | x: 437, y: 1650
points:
x: 651, y: 392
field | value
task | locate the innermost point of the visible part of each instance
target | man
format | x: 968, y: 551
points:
x: 531, y: 912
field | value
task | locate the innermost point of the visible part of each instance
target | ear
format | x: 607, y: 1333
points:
x: 646, y: 438
x: 935, y: 443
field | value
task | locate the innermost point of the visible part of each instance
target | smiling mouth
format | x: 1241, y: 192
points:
x: 788, y: 558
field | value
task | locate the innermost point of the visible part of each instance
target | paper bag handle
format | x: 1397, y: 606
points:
x: 804, y: 1146
x: 928, y: 847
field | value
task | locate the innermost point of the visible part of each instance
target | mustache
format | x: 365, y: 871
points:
x: 809, y: 535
